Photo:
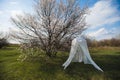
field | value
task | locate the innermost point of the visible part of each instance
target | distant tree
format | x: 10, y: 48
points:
x: 3, y: 41
x: 117, y: 36
x: 89, y: 42
x: 114, y: 42
x: 54, y: 23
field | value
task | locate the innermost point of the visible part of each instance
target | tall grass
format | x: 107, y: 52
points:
x: 41, y: 68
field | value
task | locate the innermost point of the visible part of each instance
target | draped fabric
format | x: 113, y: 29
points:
x: 79, y: 53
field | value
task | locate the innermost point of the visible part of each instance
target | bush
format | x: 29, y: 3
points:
x: 3, y: 43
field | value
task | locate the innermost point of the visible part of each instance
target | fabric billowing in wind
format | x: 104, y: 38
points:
x: 79, y: 53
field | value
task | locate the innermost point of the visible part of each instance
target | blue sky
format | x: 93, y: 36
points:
x: 103, y: 20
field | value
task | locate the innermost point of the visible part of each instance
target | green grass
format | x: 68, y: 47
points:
x: 40, y: 68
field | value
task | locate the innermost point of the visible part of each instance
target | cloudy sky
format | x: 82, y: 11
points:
x: 103, y: 20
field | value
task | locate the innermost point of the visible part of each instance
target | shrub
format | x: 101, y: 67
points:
x: 3, y: 42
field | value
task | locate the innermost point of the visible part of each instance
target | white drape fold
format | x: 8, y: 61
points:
x: 79, y: 53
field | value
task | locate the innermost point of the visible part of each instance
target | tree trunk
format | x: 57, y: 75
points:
x: 51, y: 52
x: 48, y: 53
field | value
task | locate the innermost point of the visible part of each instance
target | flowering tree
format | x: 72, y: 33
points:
x: 52, y: 25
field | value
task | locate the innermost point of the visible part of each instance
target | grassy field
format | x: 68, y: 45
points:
x: 39, y: 68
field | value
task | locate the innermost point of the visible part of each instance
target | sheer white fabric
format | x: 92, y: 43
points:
x: 79, y: 53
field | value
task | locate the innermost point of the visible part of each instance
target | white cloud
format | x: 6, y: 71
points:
x: 5, y: 21
x: 103, y: 12
x: 13, y: 2
x: 103, y: 33
x: 16, y: 12
x: 1, y: 12
x: 99, y: 32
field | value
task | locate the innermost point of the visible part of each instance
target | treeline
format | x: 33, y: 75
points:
x: 107, y: 42
x: 94, y: 43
